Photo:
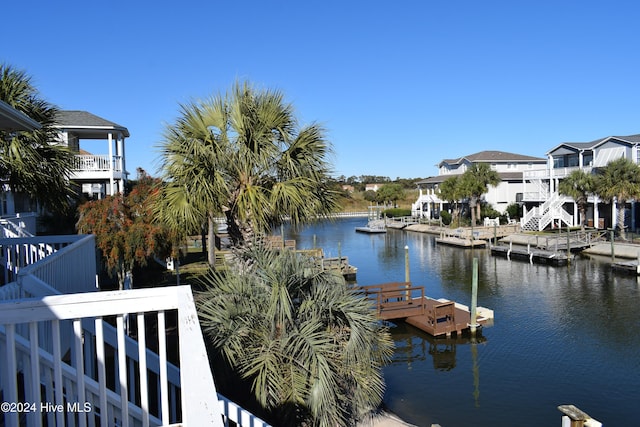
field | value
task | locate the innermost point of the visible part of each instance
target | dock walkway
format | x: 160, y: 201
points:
x: 437, y: 317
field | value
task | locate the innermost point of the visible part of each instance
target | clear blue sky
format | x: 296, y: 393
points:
x: 398, y: 85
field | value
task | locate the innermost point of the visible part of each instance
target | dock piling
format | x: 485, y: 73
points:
x: 613, y: 253
x: 473, y: 324
x: 407, y: 277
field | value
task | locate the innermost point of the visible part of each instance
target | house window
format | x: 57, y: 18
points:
x: 558, y: 162
x: 587, y: 159
x: 573, y: 160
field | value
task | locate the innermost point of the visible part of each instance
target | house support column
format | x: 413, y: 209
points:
x: 112, y: 190
x: 596, y: 214
x: 633, y: 215
x: 121, y: 160
x: 614, y: 213
x: 576, y: 215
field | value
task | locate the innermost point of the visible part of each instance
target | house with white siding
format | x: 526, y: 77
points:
x: 509, y: 167
x: 544, y: 206
x: 99, y: 167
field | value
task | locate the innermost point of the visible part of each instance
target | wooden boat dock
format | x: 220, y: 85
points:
x: 460, y: 242
x: 437, y: 317
x: 531, y: 255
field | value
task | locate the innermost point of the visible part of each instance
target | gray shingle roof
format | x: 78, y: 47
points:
x: 493, y: 157
x: 83, y: 120
x: 630, y: 139
x: 504, y: 176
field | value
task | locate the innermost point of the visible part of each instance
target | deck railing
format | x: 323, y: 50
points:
x: 74, y: 361
x: 67, y: 263
x: 109, y: 378
x: 96, y: 163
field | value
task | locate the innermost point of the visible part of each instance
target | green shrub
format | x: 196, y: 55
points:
x: 446, y: 217
x: 396, y: 212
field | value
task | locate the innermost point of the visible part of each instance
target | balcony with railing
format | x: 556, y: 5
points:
x: 76, y: 356
x: 89, y: 166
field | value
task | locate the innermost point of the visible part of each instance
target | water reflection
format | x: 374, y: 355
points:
x: 561, y: 334
x: 413, y: 345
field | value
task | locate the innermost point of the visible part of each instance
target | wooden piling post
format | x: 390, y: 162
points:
x: 474, y: 298
x: 407, y: 277
x: 613, y: 250
x: 568, y: 246
x: 495, y: 234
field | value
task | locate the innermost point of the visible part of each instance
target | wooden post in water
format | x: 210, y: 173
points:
x: 474, y: 298
x: 568, y: 246
x: 613, y: 250
x: 495, y: 235
x: 407, y: 276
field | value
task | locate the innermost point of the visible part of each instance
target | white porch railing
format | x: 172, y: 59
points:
x: 108, y: 378
x: 71, y: 356
x: 70, y: 264
x: 18, y: 225
x: 96, y: 163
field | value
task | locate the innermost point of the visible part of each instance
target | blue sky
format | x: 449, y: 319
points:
x: 399, y: 86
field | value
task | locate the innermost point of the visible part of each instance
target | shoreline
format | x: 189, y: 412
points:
x: 383, y: 418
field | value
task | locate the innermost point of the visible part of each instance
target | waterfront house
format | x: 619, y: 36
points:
x: 545, y: 207
x: 99, y: 145
x: 97, y: 175
x: 509, y: 167
x: 75, y: 356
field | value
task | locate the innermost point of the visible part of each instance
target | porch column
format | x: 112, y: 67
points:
x: 111, y: 166
x: 633, y: 215
x: 120, y: 154
x: 614, y: 213
x: 576, y: 215
x: 596, y: 214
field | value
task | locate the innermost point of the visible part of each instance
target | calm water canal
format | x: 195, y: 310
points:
x: 561, y: 335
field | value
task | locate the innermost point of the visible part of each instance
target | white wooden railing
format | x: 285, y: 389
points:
x: 538, y: 218
x: 124, y: 383
x: 77, y: 366
x: 96, y: 402
x: 17, y: 225
x: 95, y: 163
x: 70, y: 261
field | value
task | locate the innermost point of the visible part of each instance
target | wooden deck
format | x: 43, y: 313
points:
x: 401, y: 301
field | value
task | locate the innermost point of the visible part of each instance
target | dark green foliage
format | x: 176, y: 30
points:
x: 308, y: 345
x: 396, y: 212
x: 446, y: 217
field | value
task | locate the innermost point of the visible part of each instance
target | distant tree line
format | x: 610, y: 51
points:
x: 359, y: 182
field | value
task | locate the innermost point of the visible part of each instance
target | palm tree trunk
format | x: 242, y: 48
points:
x: 472, y: 208
x: 621, y: 217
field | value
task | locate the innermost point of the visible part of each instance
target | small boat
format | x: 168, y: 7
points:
x: 373, y: 227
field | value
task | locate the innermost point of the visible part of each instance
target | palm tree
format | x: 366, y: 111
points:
x: 475, y: 182
x: 578, y: 185
x: 451, y: 190
x: 309, y: 346
x: 29, y: 162
x: 244, y: 155
x: 619, y: 181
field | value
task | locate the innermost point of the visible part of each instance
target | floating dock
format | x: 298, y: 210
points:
x: 460, y: 242
x: 531, y: 255
x: 437, y: 317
